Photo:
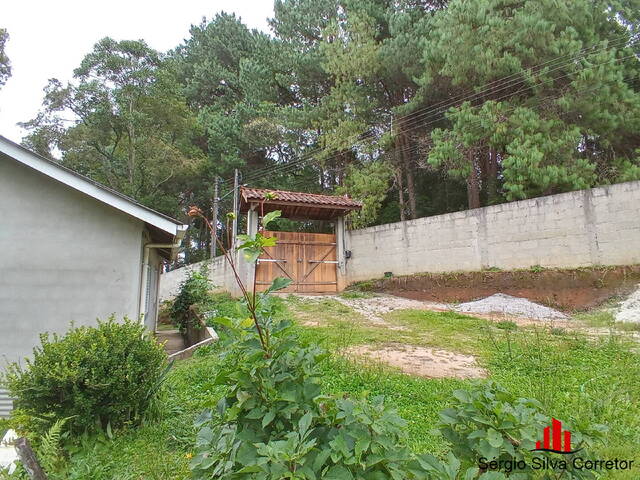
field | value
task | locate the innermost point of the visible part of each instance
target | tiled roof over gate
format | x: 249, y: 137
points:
x: 298, y: 205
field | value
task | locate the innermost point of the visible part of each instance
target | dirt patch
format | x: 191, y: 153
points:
x: 422, y: 361
x: 567, y: 290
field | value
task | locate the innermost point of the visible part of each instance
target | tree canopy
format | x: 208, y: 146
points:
x: 416, y: 107
x: 5, y: 64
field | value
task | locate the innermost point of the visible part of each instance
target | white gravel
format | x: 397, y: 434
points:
x: 629, y: 311
x: 511, y: 306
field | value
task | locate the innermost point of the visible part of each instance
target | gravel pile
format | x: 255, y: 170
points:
x: 630, y: 309
x: 511, y: 306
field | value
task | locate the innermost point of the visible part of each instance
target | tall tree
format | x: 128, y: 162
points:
x: 5, y: 64
x: 123, y: 122
x: 568, y: 114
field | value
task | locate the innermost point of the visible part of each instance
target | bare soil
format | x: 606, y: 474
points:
x: 421, y: 361
x: 566, y: 290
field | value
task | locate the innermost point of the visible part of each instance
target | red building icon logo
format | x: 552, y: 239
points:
x: 555, y: 440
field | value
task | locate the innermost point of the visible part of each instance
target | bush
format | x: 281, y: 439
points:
x: 96, y: 377
x: 193, y: 290
x: 488, y: 422
x: 274, y: 422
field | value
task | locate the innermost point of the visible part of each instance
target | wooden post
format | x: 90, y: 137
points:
x: 29, y: 460
x: 214, y: 221
x: 236, y: 194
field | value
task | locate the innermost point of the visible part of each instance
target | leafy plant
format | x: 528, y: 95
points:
x: 273, y: 421
x: 489, y: 423
x: 193, y: 290
x: 96, y: 377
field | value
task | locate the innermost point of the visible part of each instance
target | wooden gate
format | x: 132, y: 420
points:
x: 308, y: 259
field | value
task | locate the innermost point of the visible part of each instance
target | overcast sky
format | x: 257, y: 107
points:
x: 49, y: 38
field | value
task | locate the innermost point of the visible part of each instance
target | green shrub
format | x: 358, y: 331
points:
x: 96, y: 377
x: 274, y: 422
x: 489, y: 423
x: 193, y: 290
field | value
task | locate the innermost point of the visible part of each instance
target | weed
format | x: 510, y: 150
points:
x: 506, y: 325
x: 355, y: 294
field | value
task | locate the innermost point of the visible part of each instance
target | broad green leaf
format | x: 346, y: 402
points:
x: 268, y: 418
x: 494, y: 438
x: 270, y: 217
x: 278, y: 284
x: 305, y: 422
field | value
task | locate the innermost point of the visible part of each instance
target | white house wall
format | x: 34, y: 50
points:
x: 63, y: 257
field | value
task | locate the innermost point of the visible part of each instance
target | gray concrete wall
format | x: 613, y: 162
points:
x: 63, y: 257
x: 587, y: 227
x: 220, y: 274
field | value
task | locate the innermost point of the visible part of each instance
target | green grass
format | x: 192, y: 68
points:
x: 220, y: 304
x: 160, y: 448
x: 581, y: 380
x: 4, y: 426
x: 585, y: 381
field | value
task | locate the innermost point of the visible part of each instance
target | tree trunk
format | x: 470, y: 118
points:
x: 401, y: 202
x: 473, y: 184
x: 491, y: 175
x: 132, y: 154
x: 29, y: 460
x: 411, y: 187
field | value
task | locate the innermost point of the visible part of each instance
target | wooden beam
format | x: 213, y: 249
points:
x: 29, y: 460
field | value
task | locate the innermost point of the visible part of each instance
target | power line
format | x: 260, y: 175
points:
x: 284, y: 168
x: 445, y: 104
x: 429, y: 143
x: 291, y: 165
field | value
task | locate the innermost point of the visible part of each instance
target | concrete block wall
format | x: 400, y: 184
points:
x: 599, y: 226
x: 220, y: 275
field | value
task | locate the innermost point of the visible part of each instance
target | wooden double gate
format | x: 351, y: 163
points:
x: 308, y: 259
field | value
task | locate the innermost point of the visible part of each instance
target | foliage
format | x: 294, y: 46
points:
x: 5, y: 64
x: 273, y: 421
x: 544, y: 123
x: 487, y: 422
x: 370, y: 184
x: 193, y: 290
x: 131, y: 128
x: 95, y: 377
x: 372, y: 98
x: 49, y: 450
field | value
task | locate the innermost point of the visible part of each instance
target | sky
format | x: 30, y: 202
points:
x: 49, y: 38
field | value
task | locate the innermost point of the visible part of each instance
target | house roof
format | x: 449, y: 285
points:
x: 298, y: 205
x: 161, y: 226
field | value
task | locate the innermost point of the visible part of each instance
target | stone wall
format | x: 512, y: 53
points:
x: 582, y: 228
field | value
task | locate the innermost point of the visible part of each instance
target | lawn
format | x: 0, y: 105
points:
x: 586, y: 381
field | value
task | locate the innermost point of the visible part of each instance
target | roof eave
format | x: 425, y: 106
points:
x: 89, y: 187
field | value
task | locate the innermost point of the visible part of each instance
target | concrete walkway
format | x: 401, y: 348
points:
x: 172, y: 339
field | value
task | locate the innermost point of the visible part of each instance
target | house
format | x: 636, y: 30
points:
x: 71, y: 250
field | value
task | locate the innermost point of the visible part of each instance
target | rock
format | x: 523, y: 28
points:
x: 629, y: 311
x: 511, y: 306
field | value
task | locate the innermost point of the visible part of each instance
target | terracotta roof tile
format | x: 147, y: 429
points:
x: 258, y: 194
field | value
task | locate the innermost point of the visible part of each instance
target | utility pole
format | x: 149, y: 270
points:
x: 214, y: 219
x: 236, y: 193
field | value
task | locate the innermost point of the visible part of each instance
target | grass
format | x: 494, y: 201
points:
x: 220, y: 304
x: 160, y: 448
x: 4, y: 426
x: 584, y: 381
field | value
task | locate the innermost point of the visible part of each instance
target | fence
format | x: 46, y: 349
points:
x: 599, y: 226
